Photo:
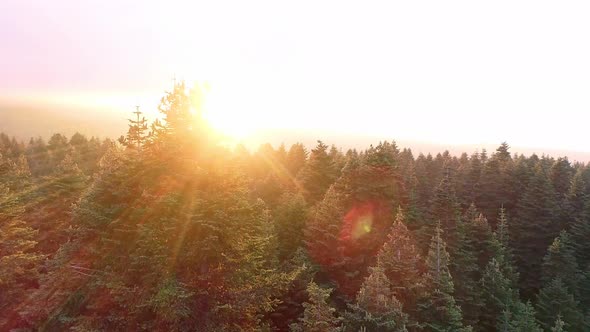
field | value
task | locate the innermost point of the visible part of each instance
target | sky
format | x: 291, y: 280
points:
x: 450, y: 72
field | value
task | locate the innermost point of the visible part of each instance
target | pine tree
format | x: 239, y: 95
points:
x: 502, y: 232
x: 561, y: 173
x: 427, y: 178
x: 584, y: 292
x: 555, y: 300
x: 15, y: 175
x: 534, y: 228
x: 580, y: 233
x: 136, y: 134
x: 497, y: 296
x: 560, y: 262
x: 318, y: 174
x: 502, y: 250
x: 290, y: 217
x: 183, y: 130
x: 559, y: 325
x: 465, y: 269
x: 296, y: 158
x: 575, y: 199
x: 322, y: 232
x: 497, y: 184
x: 481, y: 235
x: 521, y: 318
x: 376, y: 307
x: 400, y: 259
x: 469, y: 178
x: 318, y: 316
x: 437, y: 308
x: 19, y: 260
x: 373, y: 177
x: 444, y: 208
x: 359, y: 220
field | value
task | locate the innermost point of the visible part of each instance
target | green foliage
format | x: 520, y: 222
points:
x: 444, y: 208
x: 290, y: 217
x: 520, y: 318
x: 497, y: 296
x: 560, y: 262
x: 473, y: 253
x: 554, y: 301
x: 296, y: 158
x: 318, y: 173
x: 136, y: 134
x: 534, y: 227
x: 318, y: 316
x: 559, y: 325
x: 20, y: 262
x: 437, y: 308
x: 188, y: 235
x: 580, y: 233
x: 376, y: 307
x: 401, y: 262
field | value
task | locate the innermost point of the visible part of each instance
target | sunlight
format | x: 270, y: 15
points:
x: 227, y: 118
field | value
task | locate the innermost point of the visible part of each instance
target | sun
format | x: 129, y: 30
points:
x: 226, y: 118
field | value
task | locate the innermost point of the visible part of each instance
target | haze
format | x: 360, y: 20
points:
x: 453, y: 72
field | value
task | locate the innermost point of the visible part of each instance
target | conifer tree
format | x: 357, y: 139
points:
x: 400, y: 259
x: 468, y: 175
x: 359, y: 220
x: 290, y: 217
x: 534, y: 228
x: 575, y: 199
x: 502, y: 232
x: 444, y: 208
x: 561, y: 173
x: 136, y: 134
x: 497, y: 296
x: 78, y: 139
x: 560, y: 262
x: 437, y: 308
x: 281, y: 155
x: 464, y: 267
x: 481, y: 235
x: 376, y: 307
x: 520, y: 319
x: 318, y: 316
x: 183, y: 129
x: 322, y: 232
x: 427, y: 178
x: 296, y: 158
x: 15, y: 175
x: 502, y: 250
x: 580, y: 233
x: 559, y: 325
x: 19, y: 261
x: 318, y: 174
x: 555, y: 300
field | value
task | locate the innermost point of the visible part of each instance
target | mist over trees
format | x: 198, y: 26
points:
x: 166, y: 229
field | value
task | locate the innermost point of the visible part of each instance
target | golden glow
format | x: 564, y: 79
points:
x: 228, y: 119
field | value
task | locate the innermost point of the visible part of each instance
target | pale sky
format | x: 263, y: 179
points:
x: 470, y: 72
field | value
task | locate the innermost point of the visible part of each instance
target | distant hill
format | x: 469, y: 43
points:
x: 24, y: 120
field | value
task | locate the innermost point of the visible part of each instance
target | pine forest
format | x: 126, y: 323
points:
x: 169, y: 229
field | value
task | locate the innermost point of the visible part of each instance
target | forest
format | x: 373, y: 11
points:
x: 169, y: 229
